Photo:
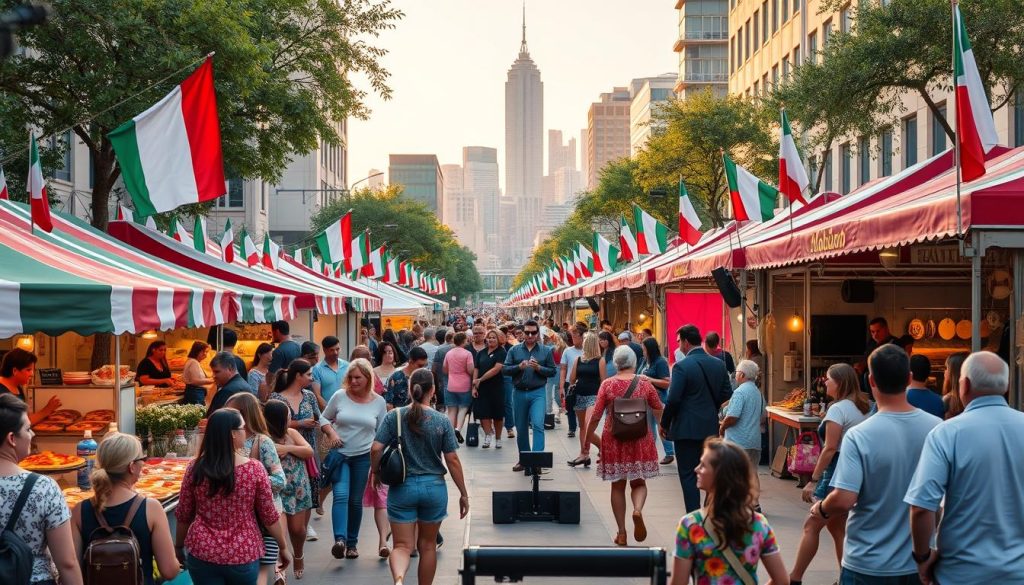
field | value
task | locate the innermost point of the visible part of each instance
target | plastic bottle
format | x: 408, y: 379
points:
x: 197, y: 440
x: 112, y: 428
x: 87, y: 450
x: 179, y: 448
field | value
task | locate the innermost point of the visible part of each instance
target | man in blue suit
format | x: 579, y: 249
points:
x: 700, y: 385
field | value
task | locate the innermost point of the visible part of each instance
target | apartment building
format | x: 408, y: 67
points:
x: 703, y: 47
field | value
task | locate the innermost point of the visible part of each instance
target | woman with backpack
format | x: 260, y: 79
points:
x: 225, y: 499
x: 37, y: 534
x: 119, y: 463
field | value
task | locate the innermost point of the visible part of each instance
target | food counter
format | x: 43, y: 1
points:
x: 794, y: 422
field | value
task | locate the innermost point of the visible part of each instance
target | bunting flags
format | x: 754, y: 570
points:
x: 37, y: 188
x: 627, y: 242
x: 651, y: 234
x: 271, y: 252
x: 752, y: 198
x: 689, y: 223
x: 793, y: 179
x: 975, y: 128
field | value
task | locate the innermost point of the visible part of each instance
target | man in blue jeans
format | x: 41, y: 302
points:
x: 530, y: 364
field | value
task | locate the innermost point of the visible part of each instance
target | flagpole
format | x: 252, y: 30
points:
x: 956, y: 133
x: 28, y: 180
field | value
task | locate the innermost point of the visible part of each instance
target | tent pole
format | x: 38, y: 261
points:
x: 976, y: 300
x: 743, y: 311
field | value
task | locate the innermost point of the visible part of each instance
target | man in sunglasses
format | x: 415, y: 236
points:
x: 529, y: 364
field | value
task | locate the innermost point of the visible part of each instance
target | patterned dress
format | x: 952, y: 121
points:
x: 297, y: 495
x: 710, y: 565
x: 637, y: 459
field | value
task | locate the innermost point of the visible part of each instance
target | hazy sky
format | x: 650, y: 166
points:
x: 449, y: 60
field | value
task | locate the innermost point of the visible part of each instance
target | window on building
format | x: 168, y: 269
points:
x: 746, y: 41
x: 756, y: 91
x: 844, y: 20
x: 775, y: 15
x: 233, y: 198
x: 1018, y: 118
x: 909, y: 142
x: 886, y: 153
x: 775, y: 76
x: 732, y: 55
x: 864, y: 152
x: 938, y: 132
x: 764, y: 22
x: 826, y: 32
x: 828, y: 170
x: 785, y: 11
x: 812, y: 48
x: 764, y: 84
x: 812, y: 169
x: 796, y: 6
x: 757, y: 29
x: 845, y: 167
x: 797, y: 56
x: 785, y: 68
x: 62, y: 142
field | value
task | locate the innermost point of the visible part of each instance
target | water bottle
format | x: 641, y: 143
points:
x: 179, y: 448
x: 87, y: 450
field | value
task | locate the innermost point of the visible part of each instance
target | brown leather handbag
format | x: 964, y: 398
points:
x: 629, y: 415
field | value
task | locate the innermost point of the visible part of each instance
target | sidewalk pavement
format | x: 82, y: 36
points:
x: 488, y: 470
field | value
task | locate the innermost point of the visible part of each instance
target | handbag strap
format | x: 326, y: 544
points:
x: 632, y: 387
x: 137, y: 501
x: 726, y: 550
x: 255, y: 451
x: 26, y: 489
x: 707, y: 383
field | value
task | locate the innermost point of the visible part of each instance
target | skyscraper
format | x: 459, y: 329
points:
x: 420, y: 175
x: 649, y: 94
x: 607, y: 132
x: 524, y: 141
x: 480, y: 182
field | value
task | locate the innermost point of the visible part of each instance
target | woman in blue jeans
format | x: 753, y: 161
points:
x: 355, y: 412
x: 417, y: 506
x: 654, y: 368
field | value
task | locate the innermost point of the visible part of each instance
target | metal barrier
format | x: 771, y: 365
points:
x: 510, y: 564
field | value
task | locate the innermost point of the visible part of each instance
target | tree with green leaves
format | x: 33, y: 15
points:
x: 283, y: 72
x: 856, y: 84
x: 410, y: 230
x: 687, y: 140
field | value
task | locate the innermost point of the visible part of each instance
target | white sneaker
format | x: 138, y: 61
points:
x: 311, y: 534
x: 497, y: 442
x: 487, y: 442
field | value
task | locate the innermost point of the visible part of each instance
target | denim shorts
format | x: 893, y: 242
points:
x: 584, y: 402
x: 459, y: 399
x: 422, y: 498
x: 823, y: 488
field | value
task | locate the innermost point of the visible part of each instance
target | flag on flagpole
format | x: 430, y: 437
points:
x: 249, y: 250
x: 374, y: 267
x: 151, y: 223
x: 606, y: 256
x: 297, y: 255
x: 627, y: 242
x: 360, y: 253
x: 651, y: 234
x: 170, y: 155
x: 174, y: 229
x: 392, y: 275
x: 586, y: 260
x: 199, y: 235
x: 125, y: 214
x: 227, y: 243
x: 37, y: 188
x: 335, y: 243
x: 689, y: 223
x: 752, y: 198
x: 568, y: 270
x: 793, y: 179
x: 975, y: 128
x: 3, y: 186
x: 271, y: 252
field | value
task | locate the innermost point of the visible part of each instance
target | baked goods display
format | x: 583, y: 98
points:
x: 87, y: 425
x: 73, y: 421
x: 101, y: 415
x: 50, y: 461
x: 104, y: 376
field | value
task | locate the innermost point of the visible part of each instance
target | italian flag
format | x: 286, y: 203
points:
x: 125, y: 214
x: 374, y: 268
x: 360, y: 254
x: 335, y: 243
x: 627, y: 242
x: 651, y: 235
x: 37, y: 188
x: 689, y: 223
x: 175, y: 229
x: 752, y: 198
x: 569, y: 270
x: 792, y: 176
x: 199, y: 235
x: 271, y: 252
x: 606, y: 256
x: 391, y: 276
x: 3, y: 186
x: 975, y: 128
x: 227, y: 243
x: 586, y: 260
x: 249, y: 250
x: 170, y: 155
x: 403, y: 273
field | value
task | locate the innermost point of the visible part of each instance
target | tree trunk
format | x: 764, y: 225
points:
x: 936, y: 113
x: 104, y: 178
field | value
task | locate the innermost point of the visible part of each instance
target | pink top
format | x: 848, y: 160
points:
x: 225, y: 530
x: 460, y: 369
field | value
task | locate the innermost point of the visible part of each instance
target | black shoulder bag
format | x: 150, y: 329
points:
x: 15, y: 553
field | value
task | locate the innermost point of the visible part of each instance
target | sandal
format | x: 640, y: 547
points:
x: 384, y: 552
x: 620, y: 538
x: 280, y: 579
x: 351, y: 553
x: 639, y: 528
x: 298, y: 567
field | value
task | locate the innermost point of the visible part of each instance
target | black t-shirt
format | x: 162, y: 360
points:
x: 588, y: 377
x: 483, y: 362
x: 148, y: 368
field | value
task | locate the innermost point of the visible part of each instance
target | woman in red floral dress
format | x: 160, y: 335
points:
x: 626, y: 461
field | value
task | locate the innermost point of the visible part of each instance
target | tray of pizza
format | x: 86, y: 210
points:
x: 87, y: 425
x: 102, y: 415
x: 74, y: 495
x: 66, y: 416
x: 50, y: 462
x: 49, y: 427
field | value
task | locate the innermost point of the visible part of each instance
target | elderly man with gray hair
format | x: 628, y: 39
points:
x: 744, y: 414
x: 974, y: 462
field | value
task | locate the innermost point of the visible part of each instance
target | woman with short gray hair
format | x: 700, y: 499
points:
x: 625, y: 461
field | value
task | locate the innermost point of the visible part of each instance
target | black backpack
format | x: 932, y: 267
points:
x: 15, y: 553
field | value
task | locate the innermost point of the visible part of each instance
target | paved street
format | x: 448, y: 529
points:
x: 490, y: 469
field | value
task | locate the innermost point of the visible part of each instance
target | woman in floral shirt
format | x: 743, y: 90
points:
x: 724, y: 473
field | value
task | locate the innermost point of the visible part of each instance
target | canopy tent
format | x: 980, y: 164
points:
x: 79, y: 279
x: 396, y: 301
x: 360, y: 297
x: 429, y: 301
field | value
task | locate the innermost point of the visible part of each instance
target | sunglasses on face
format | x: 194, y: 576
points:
x: 530, y: 332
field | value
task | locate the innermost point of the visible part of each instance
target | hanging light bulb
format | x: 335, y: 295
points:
x: 795, y: 323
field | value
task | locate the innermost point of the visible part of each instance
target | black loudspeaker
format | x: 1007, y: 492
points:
x: 503, y: 507
x: 593, y: 304
x: 568, y: 507
x: 858, y: 291
x: 727, y: 287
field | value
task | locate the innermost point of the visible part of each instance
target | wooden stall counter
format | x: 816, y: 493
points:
x: 794, y: 423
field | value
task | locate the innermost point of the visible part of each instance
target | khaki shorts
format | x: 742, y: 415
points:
x: 754, y: 455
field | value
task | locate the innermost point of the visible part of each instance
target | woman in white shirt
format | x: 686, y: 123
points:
x: 355, y: 412
x: 195, y: 378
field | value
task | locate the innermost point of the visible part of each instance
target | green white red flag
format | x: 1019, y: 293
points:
x: 125, y: 214
x: 3, y: 186
x: 392, y: 274
x: 176, y: 230
x: 360, y: 253
x: 689, y: 222
x: 627, y: 242
x: 651, y: 234
x: 606, y: 256
x: 37, y: 188
x: 271, y: 252
x: 199, y: 235
x: 170, y: 155
x: 249, y: 250
x: 752, y: 198
x: 793, y: 179
x: 335, y: 243
x: 227, y: 243
x: 586, y: 260
x: 975, y: 128
x: 568, y: 270
x: 375, y: 267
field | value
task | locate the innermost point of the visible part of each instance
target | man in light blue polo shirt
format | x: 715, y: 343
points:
x: 743, y: 416
x: 875, y: 466
x: 329, y: 374
x: 974, y: 461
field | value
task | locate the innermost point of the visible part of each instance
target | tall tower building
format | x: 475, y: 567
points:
x: 480, y: 182
x: 649, y: 94
x: 607, y: 132
x: 524, y: 140
x: 703, y: 45
x: 421, y: 177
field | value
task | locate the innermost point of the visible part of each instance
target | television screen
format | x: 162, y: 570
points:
x: 838, y: 335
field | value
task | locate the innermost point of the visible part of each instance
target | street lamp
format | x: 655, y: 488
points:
x: 367, y: 178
